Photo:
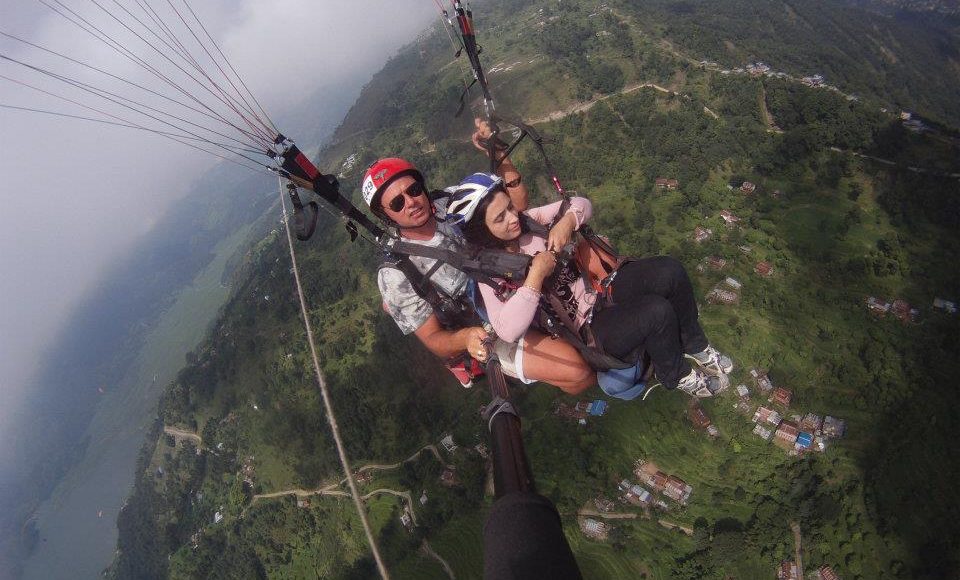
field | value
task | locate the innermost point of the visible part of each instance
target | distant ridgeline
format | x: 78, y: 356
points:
x: 804, y: 197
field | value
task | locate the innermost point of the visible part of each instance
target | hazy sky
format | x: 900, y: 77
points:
x: 75, y: 194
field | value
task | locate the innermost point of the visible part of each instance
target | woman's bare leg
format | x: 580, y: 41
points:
x: 556, y: 362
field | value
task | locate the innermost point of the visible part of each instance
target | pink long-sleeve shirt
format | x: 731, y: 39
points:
x: 511, y: 318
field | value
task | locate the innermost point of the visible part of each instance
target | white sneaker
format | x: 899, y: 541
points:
x: 712, y: 361
x: 697, y: 384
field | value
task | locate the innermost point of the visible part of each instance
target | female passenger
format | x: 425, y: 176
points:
x: 650, y: 308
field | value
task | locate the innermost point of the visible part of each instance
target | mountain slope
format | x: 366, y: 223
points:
x: 837, y: 227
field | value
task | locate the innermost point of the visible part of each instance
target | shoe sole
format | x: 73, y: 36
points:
x: 708, y: 370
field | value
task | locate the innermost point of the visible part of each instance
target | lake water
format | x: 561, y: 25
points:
x: 75, y: 542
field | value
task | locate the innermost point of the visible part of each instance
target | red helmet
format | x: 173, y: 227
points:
x: 380, y: 174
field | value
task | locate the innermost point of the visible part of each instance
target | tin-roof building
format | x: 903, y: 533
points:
x: 781, y: 396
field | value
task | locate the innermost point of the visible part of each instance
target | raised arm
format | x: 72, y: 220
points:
x: 512, y: 179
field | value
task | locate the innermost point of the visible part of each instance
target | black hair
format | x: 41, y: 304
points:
x: 476, y: 231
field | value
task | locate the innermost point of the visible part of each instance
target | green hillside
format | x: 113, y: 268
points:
x: 837, y: 211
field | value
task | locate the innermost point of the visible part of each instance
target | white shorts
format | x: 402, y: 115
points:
x: 511, y: 359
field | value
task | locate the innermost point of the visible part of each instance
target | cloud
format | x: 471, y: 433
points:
x: 75, y: 195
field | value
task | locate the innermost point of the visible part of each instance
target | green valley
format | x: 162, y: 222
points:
x: 809, y: 200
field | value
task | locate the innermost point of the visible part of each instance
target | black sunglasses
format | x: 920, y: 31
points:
x: 415, y: 190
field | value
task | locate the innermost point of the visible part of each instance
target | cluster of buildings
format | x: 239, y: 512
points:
x: 581, y: 410
x: 815, y: 81
x: 800, y: 433
x: 757, y: 69
x: 670, y: 486
x: 726, y: 292
x: 635, y: 495
x: 899, y: 307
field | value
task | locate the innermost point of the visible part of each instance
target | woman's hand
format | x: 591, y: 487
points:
x: 541, y: 267
x: 561, y: 233
x: 482, y: 134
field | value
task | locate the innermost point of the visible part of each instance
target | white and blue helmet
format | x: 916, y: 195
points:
x: 467, y: 196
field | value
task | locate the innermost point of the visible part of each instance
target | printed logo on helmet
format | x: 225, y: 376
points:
x: 379, y: 175
x: 368, y: 189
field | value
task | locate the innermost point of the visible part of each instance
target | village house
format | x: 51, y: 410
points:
x: 877, y: 306
x: 748, y: 187
x: 743, y: 391
x: 763, y: 381
x: 813, y: 81
x: 763, y: 268
x: 826, y: 573
x: 745, y: 249
x: 765, y: 415
x: 648, y: 474
x: 762, y: 432
x: 781, y: 396
x: 567, y: 412
x: 743, y: 406
x: 303, y: 502
x: 720, y: 296
x: 728, y: 217
x: 786, y: 435
x: 603, y: 504
x: 700, y: 420
x: 902, y: 310
x: 804, y: 441
x: 716, y: 262
x: 637, y: 496
x: 405, y: 519
x: 833, y: 427
x: 449, y: 477
x: 732, y: 283
x: 945, y: 305
x: 701, y: 234
x: 677, y: 489
x: 661, y: 505
x: 423, y: 498
x: 594, y: 408
x: 665, y: 183
x: 594, y: 528
x: 448, y: 444
x: 362, y: 477
x: 788, y: 571
x: 811, y: 422
x: 481, y: 449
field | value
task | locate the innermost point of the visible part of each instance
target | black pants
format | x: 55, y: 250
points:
x: 653, y: 310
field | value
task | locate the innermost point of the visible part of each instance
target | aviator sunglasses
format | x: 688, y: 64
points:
x: 415, y: 190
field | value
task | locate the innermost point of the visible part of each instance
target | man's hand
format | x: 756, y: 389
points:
x: 561, y: 233
x: 475, y: 338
